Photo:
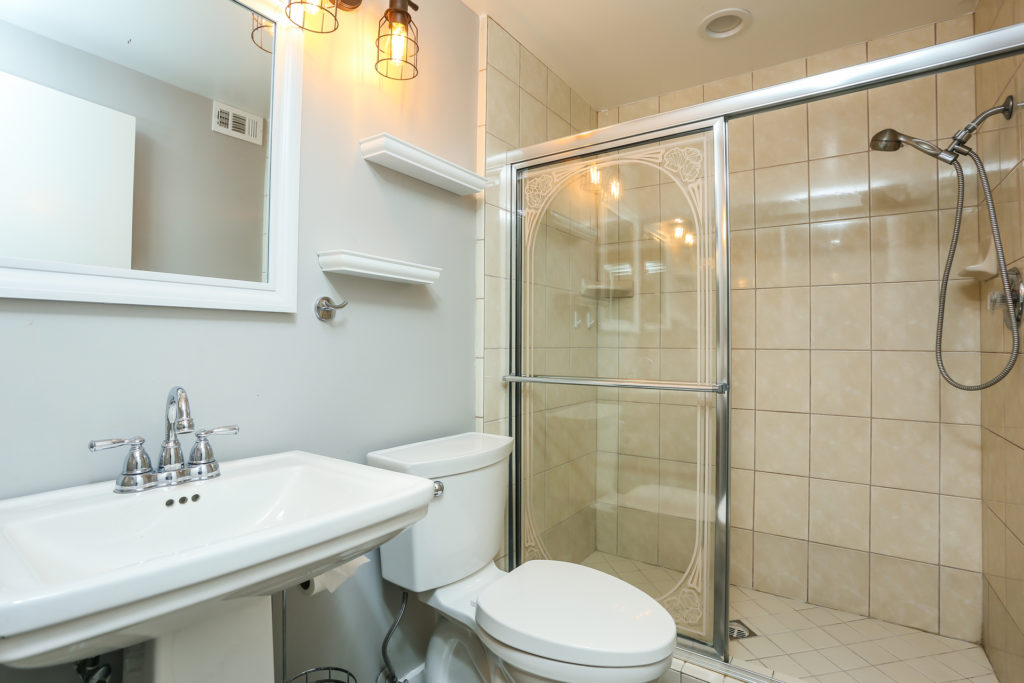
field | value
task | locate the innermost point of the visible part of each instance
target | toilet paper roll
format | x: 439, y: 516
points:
x: 330, y: 580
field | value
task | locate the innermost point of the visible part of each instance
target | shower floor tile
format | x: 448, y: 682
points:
x: 797, y: 641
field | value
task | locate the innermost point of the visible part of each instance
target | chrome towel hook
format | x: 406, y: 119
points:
x: 325, y: 308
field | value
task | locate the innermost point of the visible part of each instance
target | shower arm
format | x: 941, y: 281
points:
x: 963, y: 135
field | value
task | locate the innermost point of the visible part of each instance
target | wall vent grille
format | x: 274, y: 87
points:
x: 237, y: 123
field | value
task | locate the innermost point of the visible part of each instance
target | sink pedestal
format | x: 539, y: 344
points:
x: 236, y: 643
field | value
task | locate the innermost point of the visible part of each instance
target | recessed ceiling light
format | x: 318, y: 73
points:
x: 725, y: 23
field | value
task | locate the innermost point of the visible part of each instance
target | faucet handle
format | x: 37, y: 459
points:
x: 137, y: 471
x: 200, y: 459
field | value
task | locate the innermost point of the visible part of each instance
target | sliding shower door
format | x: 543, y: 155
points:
x: 621, y: 367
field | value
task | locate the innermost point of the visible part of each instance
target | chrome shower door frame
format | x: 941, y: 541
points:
x: 718, y: 218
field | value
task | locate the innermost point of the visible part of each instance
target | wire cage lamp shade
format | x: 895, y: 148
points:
x: 318, y: 16
x: 398, y: 42
x: 262, y: 33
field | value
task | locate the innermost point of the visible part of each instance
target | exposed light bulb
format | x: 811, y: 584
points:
x: 615, y: 189
x: 399, y: 42
x: 689, y: 239
x: 679, y: 232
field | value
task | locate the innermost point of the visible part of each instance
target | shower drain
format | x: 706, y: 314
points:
x: 737, y: 629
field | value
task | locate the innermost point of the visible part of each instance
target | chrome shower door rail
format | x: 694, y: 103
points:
x: 719, y: 388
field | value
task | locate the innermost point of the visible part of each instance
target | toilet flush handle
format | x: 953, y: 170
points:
x: 438, y: 489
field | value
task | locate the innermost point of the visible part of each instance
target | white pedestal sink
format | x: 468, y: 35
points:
x: 84, y: 570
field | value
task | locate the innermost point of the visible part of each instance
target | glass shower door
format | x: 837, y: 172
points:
x: 621, y: 364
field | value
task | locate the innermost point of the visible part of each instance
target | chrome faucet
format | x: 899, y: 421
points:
x: 137, y: 474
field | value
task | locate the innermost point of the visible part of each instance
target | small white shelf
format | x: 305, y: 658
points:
x: 398, y: 155
x: 377, y: 267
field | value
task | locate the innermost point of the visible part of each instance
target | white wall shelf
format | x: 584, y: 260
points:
x: 377, y: 267
x: 398, y: 155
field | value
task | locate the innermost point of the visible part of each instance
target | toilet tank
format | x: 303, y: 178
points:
x: 463, y: 528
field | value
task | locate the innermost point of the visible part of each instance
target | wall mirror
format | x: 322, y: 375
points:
x: 150, y: 153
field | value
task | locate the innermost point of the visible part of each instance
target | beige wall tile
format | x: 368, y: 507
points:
x: 960, y: 537
x: 676, y: 541
x: 558, y: 96
x: 904, y: 247
x: 607, y: 117
x: 783, y: 256
x: 677, y: 489
x: 502, y: 107
x: 961, y: 601
x: 902, y: 182
x: 783, y: 318
x: 741, y: 144
x: 838, y: 578
x: 841, y: 252
x: 953, y: 109
x: 905, y: 592
x: 952, y: 29
x: 533, y: 120
x: 905, y: 455
x: 904, y: 386
x: 904, y: 41
x: 783, y: 442
x: 638, y: 429
x: 841, y: 317
x: 837, y: 59
x: 741, y: 200
x: 905, y: 524
x: 724, y: 87
x: 780, y: 73
x: 839, y: 187
x: 963, y: 407
x: 780, y: 566
x: 741, y: 499
x: 638, y: 535
x: 743, y: 371
x: 841, y: 448
x: 533, y: 76
x: 743, y: 317
x: 638, y: 483
x: 557, y: 126
x: 780, y: 504
x: 841, y: 383
x: 677, y: 99
x: 742, y: 264
x: 838, y: 125
x: 781, y: 195
x: 960, y: 460
x: 502, y: 51
x: 783, y: 378
x: 678, y: 432
x: 780, y: 136
x: 638, y: 109
x: 839, y: 514
x: 903, y: 316
x: 741, y: 557
x: 741, y: 439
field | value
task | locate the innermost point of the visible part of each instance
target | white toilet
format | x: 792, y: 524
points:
x: 543, y: 621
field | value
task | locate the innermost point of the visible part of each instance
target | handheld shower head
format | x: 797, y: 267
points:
x: 890, y: 140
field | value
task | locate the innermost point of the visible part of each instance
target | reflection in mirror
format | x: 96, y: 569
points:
x: 135, y: 135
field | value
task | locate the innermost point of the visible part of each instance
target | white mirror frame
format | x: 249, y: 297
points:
x: 29, y: 279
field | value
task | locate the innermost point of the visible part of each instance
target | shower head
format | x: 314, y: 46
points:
x: 889, y: 140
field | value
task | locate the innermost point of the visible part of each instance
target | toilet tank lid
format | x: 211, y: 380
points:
x: 445, y: 456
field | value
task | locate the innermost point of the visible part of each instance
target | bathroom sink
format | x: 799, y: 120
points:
x: 84, y: 570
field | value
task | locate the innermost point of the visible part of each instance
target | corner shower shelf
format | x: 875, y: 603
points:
x: 398, y: 155
x: 377, y: 267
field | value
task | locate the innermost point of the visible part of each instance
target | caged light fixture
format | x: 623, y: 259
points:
x: 318, y: 16
x: 262, y: 33
x: 398, y: 43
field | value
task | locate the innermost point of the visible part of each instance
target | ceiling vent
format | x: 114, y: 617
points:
x: 237, y: 123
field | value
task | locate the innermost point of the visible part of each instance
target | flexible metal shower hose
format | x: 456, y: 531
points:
x: 1002, y: 273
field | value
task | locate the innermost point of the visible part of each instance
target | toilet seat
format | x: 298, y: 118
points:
x: 571, y: 614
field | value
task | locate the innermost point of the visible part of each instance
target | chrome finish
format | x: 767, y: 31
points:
x: 438, y: 489
x: 1006, y: 109
x: 325, y: 308
x: 177, y: 420
x: 957, y: 53
x: 201, y: 463
x: 720, y: 388
x: 137, y: 471
x: 998, y: 299
x: 889, y: 140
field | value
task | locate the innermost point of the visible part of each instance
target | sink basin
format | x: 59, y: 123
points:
x: 84, y: 570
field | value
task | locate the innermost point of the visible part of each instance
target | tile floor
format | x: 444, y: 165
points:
x: 796, y: 641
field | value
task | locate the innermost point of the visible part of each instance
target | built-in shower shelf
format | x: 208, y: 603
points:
x: 398, y: 155
x: 377, y: 267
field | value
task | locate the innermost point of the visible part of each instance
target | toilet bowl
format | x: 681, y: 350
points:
x: 543, y: 621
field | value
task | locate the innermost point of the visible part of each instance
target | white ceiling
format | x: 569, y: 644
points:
x: 618, y: 51
x: 202, y: 46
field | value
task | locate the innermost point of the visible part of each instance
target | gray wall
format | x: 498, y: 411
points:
x: 198, y: 195
x: 394, y: 367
